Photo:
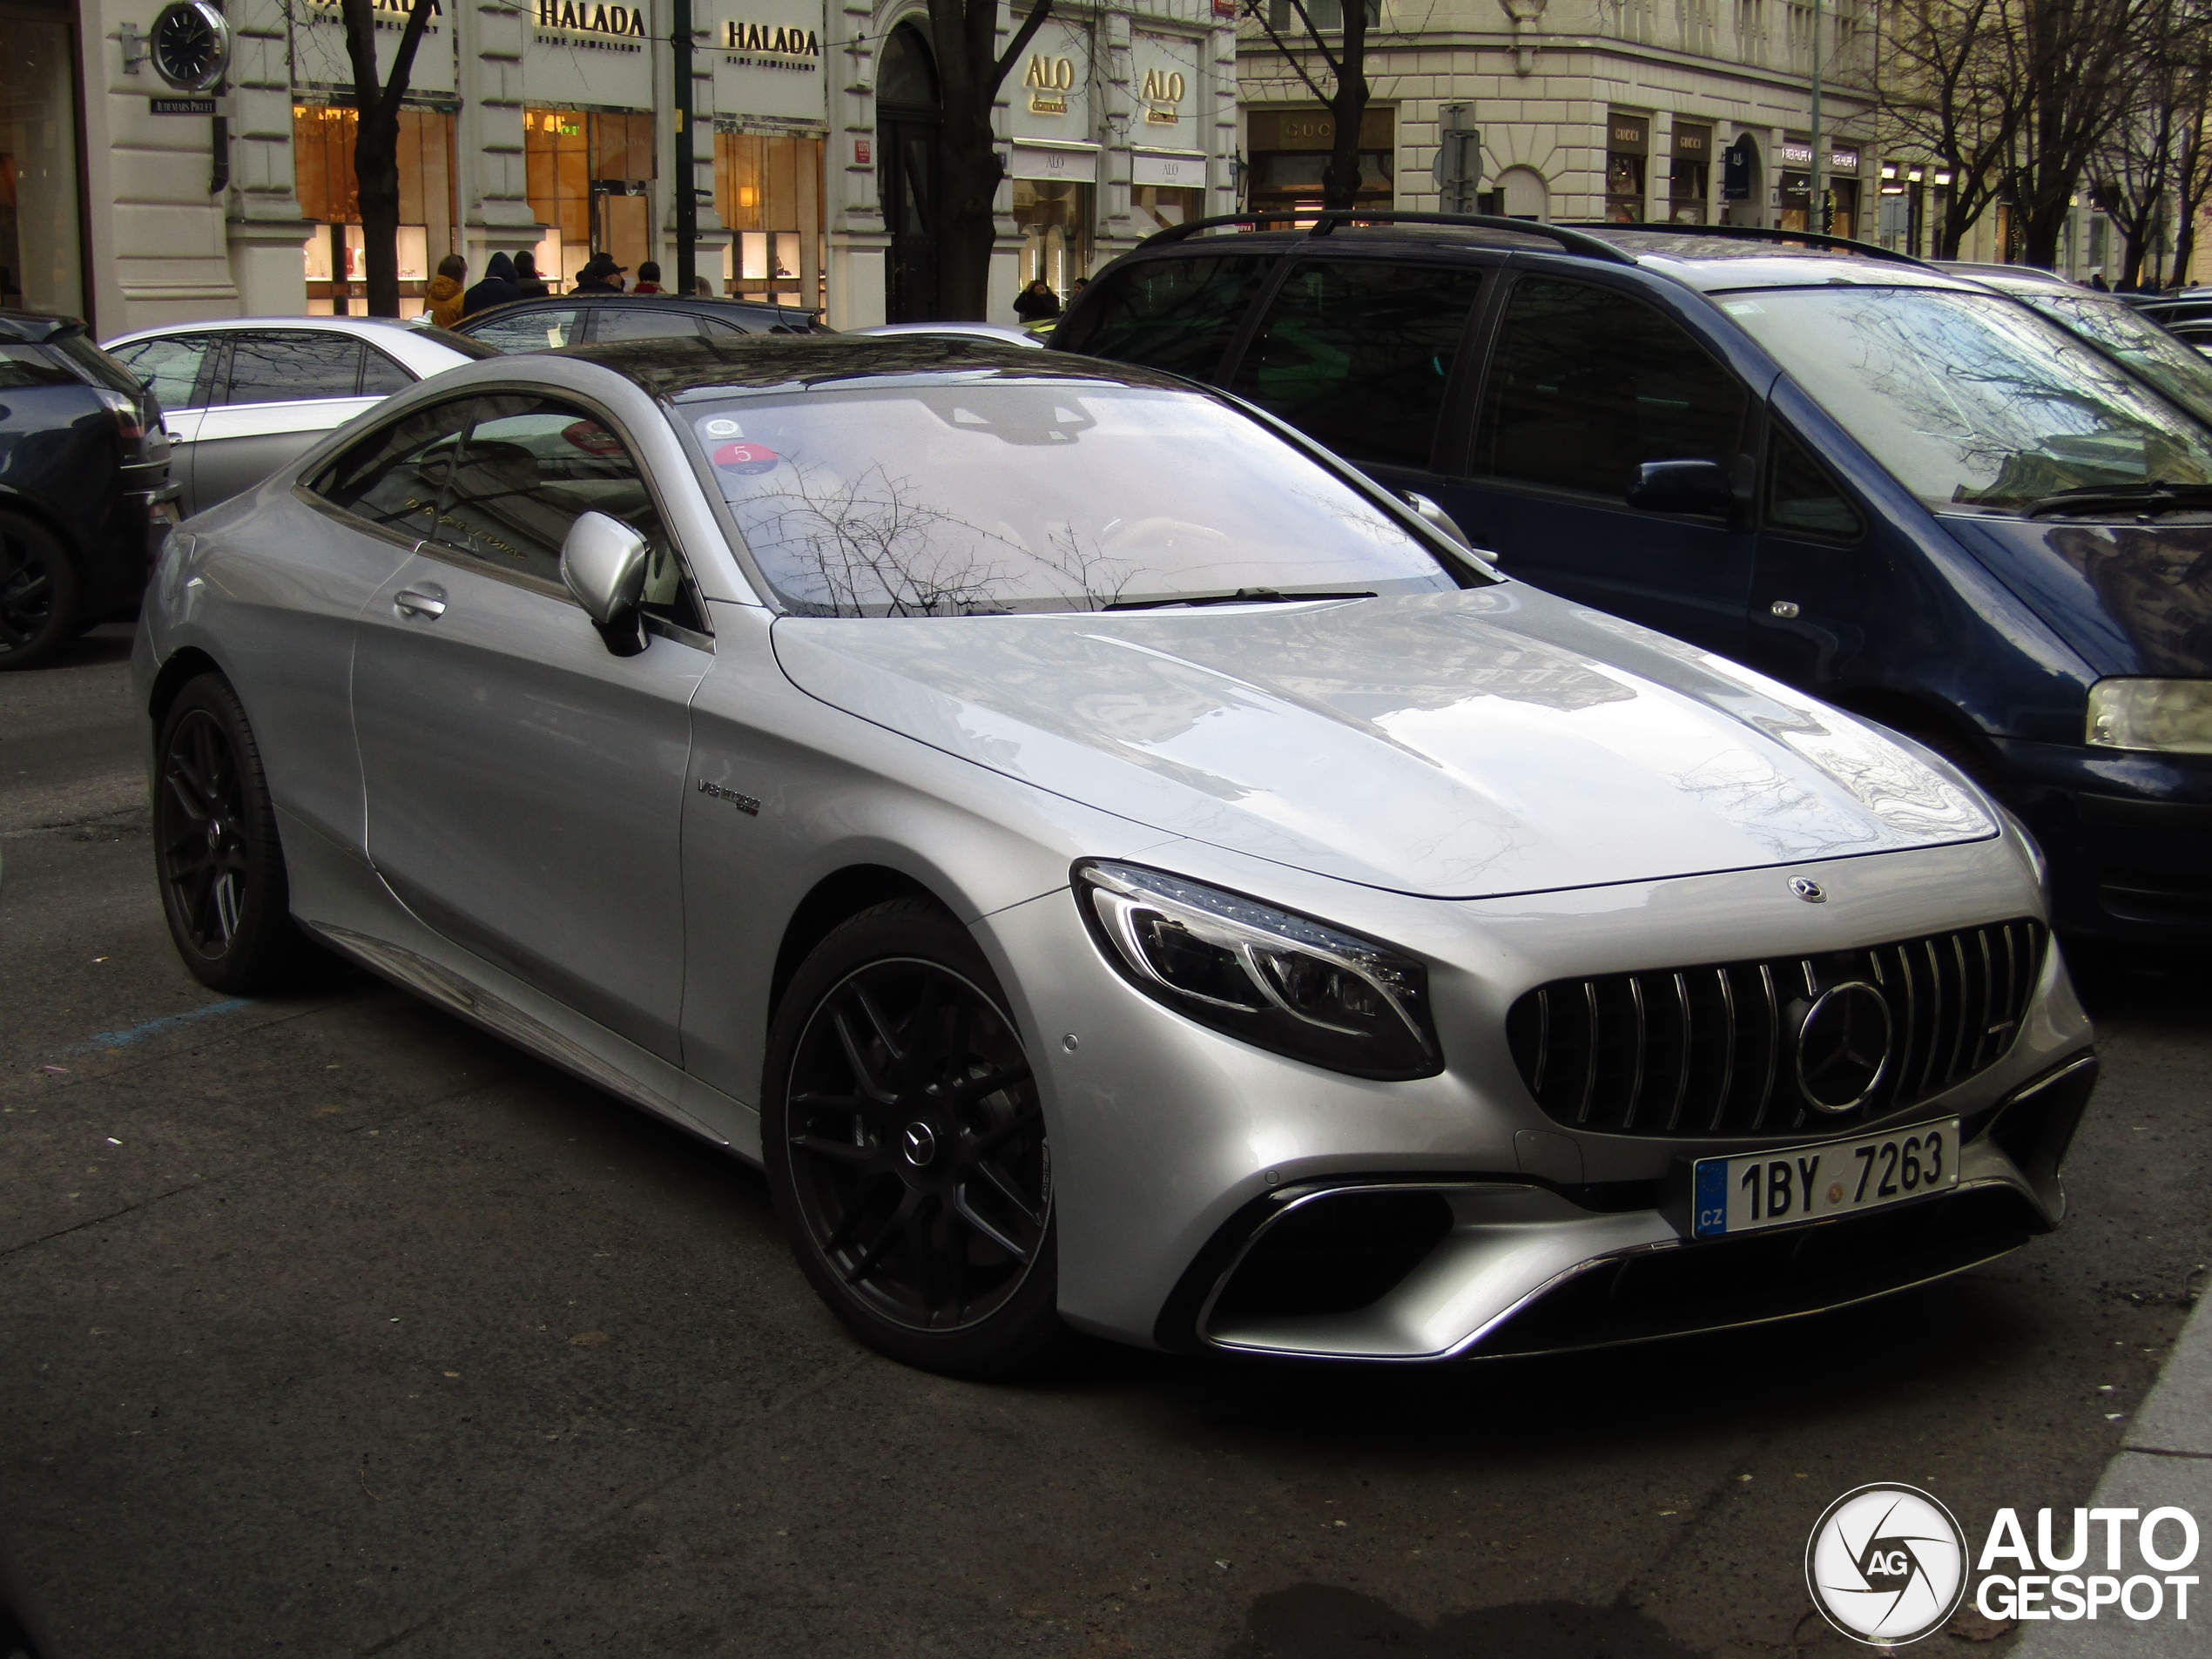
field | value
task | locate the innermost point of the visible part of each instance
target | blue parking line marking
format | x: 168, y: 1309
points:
x: 131, y: 1034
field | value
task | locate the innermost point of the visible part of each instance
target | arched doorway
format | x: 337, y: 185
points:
x: 1523, y: 194
x: 907, y: 115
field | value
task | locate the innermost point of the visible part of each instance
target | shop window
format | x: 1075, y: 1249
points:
x: 1290, y: 149
x: 1055, y: 218
x: 1689, y: 174
x: 1586, y: 384
x: 587, y: 175
x: 41, y: 247
x: 322, y: 160
x: 1359, y: 356
x: 1156, y: 206
x: 768, y: 189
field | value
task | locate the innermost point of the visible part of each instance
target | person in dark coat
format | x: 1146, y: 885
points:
x: 2097, y: 282
x: 497, y: 289
x: 603, y: 275
x: 1036, y: 302
x: 528, y: 284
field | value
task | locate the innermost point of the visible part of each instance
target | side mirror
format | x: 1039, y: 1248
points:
x: 1700, y: 487
x: 602, y: 562
x: 1436, y: 518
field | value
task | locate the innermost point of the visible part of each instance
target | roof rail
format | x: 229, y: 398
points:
x: 1326, y: 220
x: 1766, y: 233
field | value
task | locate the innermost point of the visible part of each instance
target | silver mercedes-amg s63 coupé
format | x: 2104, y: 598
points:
x: 1114, y: 866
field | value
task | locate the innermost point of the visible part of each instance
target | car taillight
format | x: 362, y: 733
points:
x: 129, y: 425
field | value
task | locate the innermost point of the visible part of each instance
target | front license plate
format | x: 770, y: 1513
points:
x: 1743, y: 1195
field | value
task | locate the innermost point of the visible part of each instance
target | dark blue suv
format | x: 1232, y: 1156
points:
x: 1890, y: 486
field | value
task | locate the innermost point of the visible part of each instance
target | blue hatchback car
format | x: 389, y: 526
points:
x: 1888, y: 485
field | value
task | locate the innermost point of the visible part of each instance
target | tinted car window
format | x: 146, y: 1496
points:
x: 172, y: 363
x: 395, y: 475
x: 284, y: 366
x: 93, y: 364
x: 531, y: 466
x: 635, y: 322
x: 1802, y: 499
x: 380, y: 376
x: 1359, y: 356
x: 538, y: 330
x: 23, y: 366
x: 1586, y: 384
x: 1176, y: 314
x: 1036, y: 495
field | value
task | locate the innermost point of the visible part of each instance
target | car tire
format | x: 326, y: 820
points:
x: 41, y: 598
x: 903, y: 1137
x: 216, y: 852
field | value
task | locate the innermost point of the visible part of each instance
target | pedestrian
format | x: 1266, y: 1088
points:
x: 446, y: 290
x: 602, y: 275
x: 2097, y: 282
x: 1075, y: 291
x: 1037, y: 302
x: 648, y: 277
x: 528, y: 284
x: 705, y: 287
x: 497, y: 289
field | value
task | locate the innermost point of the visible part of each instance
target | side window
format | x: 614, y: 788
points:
x: 1359, y: 356
x: 394, y: 477
x: 635, y: 322
x: 172, y: 364
x: 281, y: 367
x: 1176, y: 315
x: 1801, y: 498
x: 1586, y: 384
x: 380, y: 376
x: 539, y: 330
x: 530, y: 468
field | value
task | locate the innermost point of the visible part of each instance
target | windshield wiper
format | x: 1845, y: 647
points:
x: 1242, y: 597
x: 2157, y: 496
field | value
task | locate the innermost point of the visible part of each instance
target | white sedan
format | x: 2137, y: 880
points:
x: 242, y: 397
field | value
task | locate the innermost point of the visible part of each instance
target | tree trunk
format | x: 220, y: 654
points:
x: 376, y: 143
x: 1348, y: 108
x: 969, y: 72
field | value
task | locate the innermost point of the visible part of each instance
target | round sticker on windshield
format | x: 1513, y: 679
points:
x: 592, y: 438
x: 722, y: 427
x: 746, y: 458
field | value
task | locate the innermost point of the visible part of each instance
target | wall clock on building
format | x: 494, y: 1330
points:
x: 191, y: 45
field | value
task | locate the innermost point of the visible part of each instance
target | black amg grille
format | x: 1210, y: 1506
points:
x: 1711, y: 1051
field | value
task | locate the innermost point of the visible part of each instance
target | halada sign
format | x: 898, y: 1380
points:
x: 773, y: 40
x: 598, y: 24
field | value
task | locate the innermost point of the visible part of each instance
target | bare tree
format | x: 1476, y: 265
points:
x: 2137, y: 166
x: 2072, y: 55
x: 2192, y: 168
x: 1344, y: 68
x: 970, y: 70
x: 1948, y: 87
x: 376, y: 142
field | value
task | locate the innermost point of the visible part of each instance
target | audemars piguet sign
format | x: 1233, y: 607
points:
x: 767, y: 59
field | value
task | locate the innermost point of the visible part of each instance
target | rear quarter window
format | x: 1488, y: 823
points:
x: 1176, y: 315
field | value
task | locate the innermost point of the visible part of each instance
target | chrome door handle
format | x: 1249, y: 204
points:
x: 428, y: 603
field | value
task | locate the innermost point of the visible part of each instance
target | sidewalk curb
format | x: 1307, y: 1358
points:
x: 2165, y: 1457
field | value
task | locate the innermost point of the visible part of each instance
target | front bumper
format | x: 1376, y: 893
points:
x: 2128, y: 836
x: 1173, y: 1145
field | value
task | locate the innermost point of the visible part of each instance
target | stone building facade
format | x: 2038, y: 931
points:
x: 548, y: 125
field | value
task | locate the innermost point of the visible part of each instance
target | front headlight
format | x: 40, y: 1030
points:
x: 2173, y: 716
x: 1277, y: 980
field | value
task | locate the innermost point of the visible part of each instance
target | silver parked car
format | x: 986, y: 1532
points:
x: 241, y: 398
x: 1115, y: 867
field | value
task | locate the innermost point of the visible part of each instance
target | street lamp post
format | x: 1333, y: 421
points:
x: 687, y: 201
x: 1817, y: 202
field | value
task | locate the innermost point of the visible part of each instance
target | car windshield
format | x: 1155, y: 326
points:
x: 990, y: 495
x: 1972, y: 400
x: 2171, y: 364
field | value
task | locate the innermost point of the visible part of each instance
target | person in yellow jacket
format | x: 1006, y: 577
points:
x: 446, y: 289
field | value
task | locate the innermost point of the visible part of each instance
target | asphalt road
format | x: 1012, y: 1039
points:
x: 330, y: 1325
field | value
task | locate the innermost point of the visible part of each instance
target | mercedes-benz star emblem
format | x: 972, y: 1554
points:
x: 920, y: 1145
x: 1808, y: 889
x: 1844, y: 1046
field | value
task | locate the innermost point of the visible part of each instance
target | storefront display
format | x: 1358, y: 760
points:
x: 1290, y: 148
x: 589, y: 173
x: 1689, y: 174
x: 1840, y: 205
x: 768, y: 151
x: 41, y: 242
x: 1628, y: 147
x: 322, y: 159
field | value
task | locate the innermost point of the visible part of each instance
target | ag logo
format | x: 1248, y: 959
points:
x: 1887, y: 1565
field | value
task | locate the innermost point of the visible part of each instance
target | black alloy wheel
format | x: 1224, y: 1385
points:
x: 216, y: 852
x: 906, y: 1146
x: 40, y: 595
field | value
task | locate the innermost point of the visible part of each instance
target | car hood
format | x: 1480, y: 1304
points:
x: 1464, y: 745
x: 2131, y: 598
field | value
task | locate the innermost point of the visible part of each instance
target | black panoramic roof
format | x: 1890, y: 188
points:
x: 674, y: 369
